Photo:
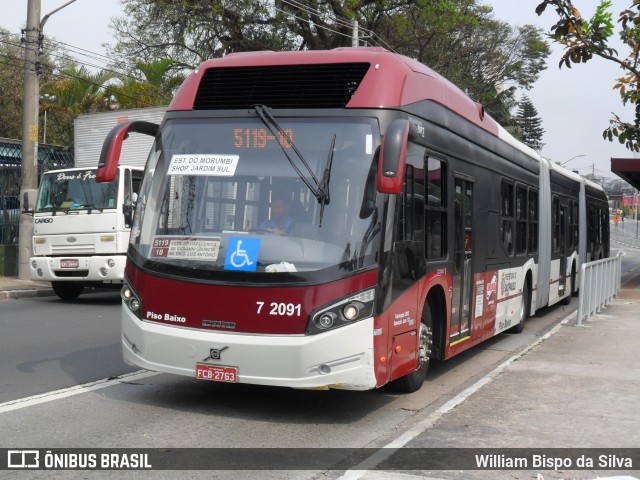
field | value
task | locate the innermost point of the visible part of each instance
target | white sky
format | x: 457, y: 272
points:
x: 574, y: 104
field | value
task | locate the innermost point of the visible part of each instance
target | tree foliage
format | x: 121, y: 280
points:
x: 149, y: 84
x: 159, y: 40
x: 461, y: 40
x: 458, y: 38
x: 529, y: 124
x: 12, y: 80
x: 585, y: 38
x: 73, y: 91
x: 11, y: 75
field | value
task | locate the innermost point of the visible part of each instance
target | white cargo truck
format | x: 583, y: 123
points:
x: 81, y: 227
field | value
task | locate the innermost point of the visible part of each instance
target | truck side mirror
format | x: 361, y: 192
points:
x: 393, y: 155
x: 128, y: 208
x: 112, y: 146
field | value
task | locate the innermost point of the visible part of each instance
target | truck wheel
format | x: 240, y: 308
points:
x: 67, y: 290
x: 413, y: 381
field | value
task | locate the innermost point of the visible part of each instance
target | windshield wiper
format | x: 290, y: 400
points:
x: 318, y: 188
x: 89, y: 207
x: 326, y: 176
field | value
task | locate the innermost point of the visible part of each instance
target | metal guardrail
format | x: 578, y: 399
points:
x: 599, y: 283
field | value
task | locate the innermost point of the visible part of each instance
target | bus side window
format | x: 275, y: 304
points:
x: 411, y: 222
x: 521, y: 219
x: 555, y: 225
x: 435, y: 206
x: 532, y: 242
x: 406, y: 221
x: 506, y: 227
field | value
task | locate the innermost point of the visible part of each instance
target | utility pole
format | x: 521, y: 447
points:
x: 31, y: 101
x: 29, y: 162
x: 354, y: 33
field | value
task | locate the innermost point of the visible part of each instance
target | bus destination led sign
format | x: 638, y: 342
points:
x: 261, y: 137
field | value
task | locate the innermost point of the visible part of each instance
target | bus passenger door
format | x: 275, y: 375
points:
x: 461, y: 308
x: 562, y: 282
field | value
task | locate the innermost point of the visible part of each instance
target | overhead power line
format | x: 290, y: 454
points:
x: 19, y: 63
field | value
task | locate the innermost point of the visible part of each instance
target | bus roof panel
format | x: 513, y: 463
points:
x: 392, y: 81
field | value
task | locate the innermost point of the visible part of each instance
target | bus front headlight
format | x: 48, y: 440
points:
x: 131, y: 300
x: 344, y: 312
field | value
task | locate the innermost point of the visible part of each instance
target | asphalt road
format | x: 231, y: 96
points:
x: 47, y: 345
x: 630, y: 274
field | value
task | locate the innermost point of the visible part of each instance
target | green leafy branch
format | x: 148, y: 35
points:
x: 585, y: 38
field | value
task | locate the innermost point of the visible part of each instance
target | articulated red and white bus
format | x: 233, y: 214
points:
x: 336, y: 219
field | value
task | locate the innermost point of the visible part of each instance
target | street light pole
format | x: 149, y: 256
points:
x: 45, y: 101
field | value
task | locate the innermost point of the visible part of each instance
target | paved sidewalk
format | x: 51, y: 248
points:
x: 578, y: 388
x: 11, y: 287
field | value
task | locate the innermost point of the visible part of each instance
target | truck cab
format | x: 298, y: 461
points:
x: 81, y: 229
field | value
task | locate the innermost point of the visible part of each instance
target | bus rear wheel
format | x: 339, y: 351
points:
x: 524, y: 310
x: 413, y: 381
x: 67, y: 290
x: 569, y: 292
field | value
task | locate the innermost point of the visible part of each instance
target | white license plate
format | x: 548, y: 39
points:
x: 69, y: 263
x: 216, y: 373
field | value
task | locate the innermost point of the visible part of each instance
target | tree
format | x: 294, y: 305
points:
x: 150, y: 84
x: 75, y: 90
x: 461, y: 40
x: 585, y: 38
x: 12, y: 80
x: 190, y: 31
x: 529, y: 125
x: 458, y: 38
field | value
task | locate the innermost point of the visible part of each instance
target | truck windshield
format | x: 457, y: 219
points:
x: 75, y: 189
x: 221, y: 196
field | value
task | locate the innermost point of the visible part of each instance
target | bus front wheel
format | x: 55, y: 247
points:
x: 413, y: 381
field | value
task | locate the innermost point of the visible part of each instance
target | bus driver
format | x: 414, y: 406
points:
x: 280, y: 222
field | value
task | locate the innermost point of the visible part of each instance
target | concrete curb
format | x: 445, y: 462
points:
x: 35, y: 292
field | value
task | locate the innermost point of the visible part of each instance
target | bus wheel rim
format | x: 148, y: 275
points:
x: 424, y: 349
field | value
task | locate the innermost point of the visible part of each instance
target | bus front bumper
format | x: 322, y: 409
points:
x: 341, y: 358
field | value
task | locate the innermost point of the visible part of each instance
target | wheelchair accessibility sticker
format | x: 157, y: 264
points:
x: 242, y: 254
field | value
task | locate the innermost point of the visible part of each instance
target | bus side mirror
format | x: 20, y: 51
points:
x: 393, y: 156
x: 112, y: 146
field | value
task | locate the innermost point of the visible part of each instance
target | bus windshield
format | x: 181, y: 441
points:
x: 77, y: 189
x: 229, y: 195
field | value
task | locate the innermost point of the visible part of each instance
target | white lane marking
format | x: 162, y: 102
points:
x: 75, y: 390
x: 389, y: 449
